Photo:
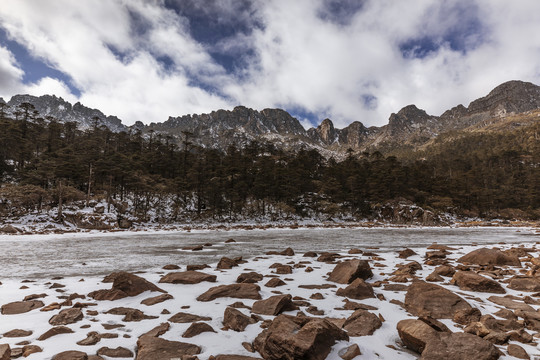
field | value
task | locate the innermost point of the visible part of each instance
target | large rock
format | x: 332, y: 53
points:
x: 19, y: 307
x: 348, y: 271
x: 470, y: 281
x: 124, y: 285
x: 358, y: 290
x: 130, y: 314
x: 66, y: 316
x: 119, y: 352
x: 249, y: 277
x: 235, y: 320
x: 424, y: 299
x: 57, y: 330
x: 236, y: 357
x: 460, y: 346
x: 187, y: 277
x: 290, y: 338
x: 71, y: 355
x: 525, y: 283
x: 485, y: 256
x: 274, y: 305
x: 18, y: 333
x: 154, y: 348
x: 182, y: 318
x: 5, y: 352
x: 197, y: 328
x: 362, y: 323
x: 156, y: 299
x: 239, y: 291
x: 510, y: 303
x: 415, y: 334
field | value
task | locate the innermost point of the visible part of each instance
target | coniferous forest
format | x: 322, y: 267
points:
x: 48, y: 164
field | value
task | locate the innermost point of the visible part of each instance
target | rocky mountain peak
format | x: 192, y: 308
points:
x: 510, y: 97
x: 406, y: 120
x: 327, y: 132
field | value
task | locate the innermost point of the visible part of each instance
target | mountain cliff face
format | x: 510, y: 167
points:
x: 411, y: 127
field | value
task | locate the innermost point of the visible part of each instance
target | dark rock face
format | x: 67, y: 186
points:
x: 425, y: 299
x: 298, y: 338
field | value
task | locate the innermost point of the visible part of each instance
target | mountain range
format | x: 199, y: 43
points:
x: 410, y: 128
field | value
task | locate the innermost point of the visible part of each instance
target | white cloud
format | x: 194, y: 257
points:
x: 301, y: 61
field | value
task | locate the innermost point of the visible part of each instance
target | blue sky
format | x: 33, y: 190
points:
x: 348, y: 60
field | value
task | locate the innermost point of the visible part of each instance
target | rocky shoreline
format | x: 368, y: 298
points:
x: 439, y: 302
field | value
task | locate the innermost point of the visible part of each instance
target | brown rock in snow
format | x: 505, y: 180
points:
x: 460, y: 346
x: 124, y: 285
x: 348, y: 271
x: 154, y: 348
x: 20, y: 307
x: 485, y: 256
x: 17, y: 333
x: 67, y: 316
x: 239, y: 291
x: 119, y: 352
x: 5, y: 352
x: 425, y: 299
x: 183, y: 317
x: 71, y: 355
x: 57, y: 330
x: 362, y: 323
x: 470, y: 281
x: 415, y: 334
x: 187, y: 277
x: 249, y: 277
x: 197, y: 328
x: 274, y: 305
x: 235, y: 320
x: 156, y: 299
x: 292, y: 338
x: 358, y: 290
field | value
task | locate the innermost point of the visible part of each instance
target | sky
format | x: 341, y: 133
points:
x: 348, y: 60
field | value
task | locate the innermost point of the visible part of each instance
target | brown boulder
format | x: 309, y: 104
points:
x: 57, y: 330
x: 227, y: 263
x: 467, y: 316
x: 250, y: 277
x: 470, y: 281
x: 20, y: 307
x: 130, y: 314
x: 154, y: 348
x: 197, y: 328
x: 235, y: 320
x: 158, y: 330
x: 424, y: 299
x: 517, y: 351
x: 460, y: 346
x: 124, y: 285
x: 403, y: 254
x: 239, y: 291
x: 17, y: 333
x: 350, y: 352
x: 274, y: 305
x: 67, y: 316
x: 71, y: 355
x: 286, y: 252
x: 445, y: 270
x: 275, y: 282
x: 92, y: 338
x: 187, y: 277
x: 485, y: 256
x: 290, y: 338
x: 358, y: 290
x: 525, y: 283
x: 156, y: 299
x: 182, y: 318
x: 30, y: 349
x: 348, y: 271
x: 119, y: 352
x: 510, y: 303
x: 415, y: 334
x: 5, y: 352
x: 236, y: 357
x: 362, y: 323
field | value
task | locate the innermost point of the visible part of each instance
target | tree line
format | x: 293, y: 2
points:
x: 46, y: 163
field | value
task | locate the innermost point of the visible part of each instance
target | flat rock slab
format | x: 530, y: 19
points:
x: 425, y: 299
x: 239, y: 291
x: 130, y: 314
x: 17, y: 333
x: 510, y: 303
x: 57, y: 330
x: 525, y: 283
x: 358, y: 290
x: 187, y: 277
x: 119, y: 352
x: 236, y: 320
x: 124, y: 285
x: 20, y: 307
x: 362, y: 323
x: 274, y: 305
x: 197, y: 328
x: 71, y: 355
x: 460, y: 346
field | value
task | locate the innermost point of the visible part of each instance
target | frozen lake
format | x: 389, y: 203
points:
x: 45, y: 256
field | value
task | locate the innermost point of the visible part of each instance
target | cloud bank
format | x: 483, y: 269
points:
x: 346, y: 60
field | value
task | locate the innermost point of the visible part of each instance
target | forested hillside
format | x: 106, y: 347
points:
x: 46, y: 164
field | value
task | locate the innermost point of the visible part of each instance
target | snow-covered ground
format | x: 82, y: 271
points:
x: 229, y: 342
